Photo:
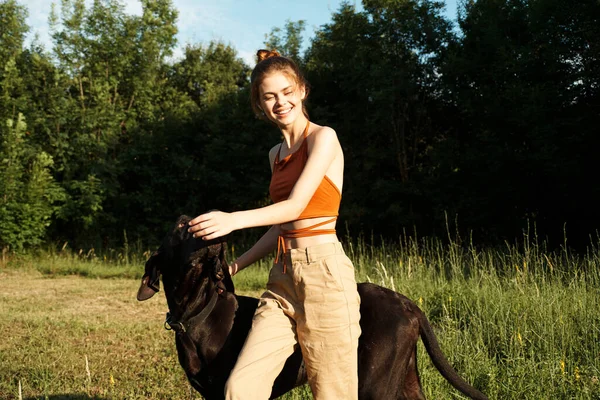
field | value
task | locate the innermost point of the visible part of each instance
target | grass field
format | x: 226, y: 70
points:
x: 519, y: 322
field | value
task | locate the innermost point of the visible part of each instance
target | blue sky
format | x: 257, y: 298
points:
x: 240, y: 23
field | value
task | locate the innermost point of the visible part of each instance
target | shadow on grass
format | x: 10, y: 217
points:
x: 77, y: 396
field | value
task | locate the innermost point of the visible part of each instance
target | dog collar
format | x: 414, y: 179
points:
x: 180, y: 327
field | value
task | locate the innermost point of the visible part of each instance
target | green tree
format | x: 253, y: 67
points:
x: 523, y: 82
x: 375, y: 77
x: 29, y: 197
x: 287, y: 40
x: 12, y: 29
x: 207, y: 73
x: 12, y: 34
x: 216, y: 157
x: 113, y: 67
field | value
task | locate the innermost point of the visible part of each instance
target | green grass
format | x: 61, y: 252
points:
x: 520, y: 322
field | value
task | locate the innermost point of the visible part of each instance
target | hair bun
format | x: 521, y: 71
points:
x: 264, y: 54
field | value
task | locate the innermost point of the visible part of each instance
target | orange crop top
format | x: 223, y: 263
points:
x: 325, y: 202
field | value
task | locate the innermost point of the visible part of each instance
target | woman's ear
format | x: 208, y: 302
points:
x: 303, y: 92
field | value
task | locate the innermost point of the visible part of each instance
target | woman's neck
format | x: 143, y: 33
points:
x: 294, y: 132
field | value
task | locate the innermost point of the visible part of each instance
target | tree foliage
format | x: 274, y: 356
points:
x: 523, y: 82
x: 287, y: 40
x: 30, y: 196
x: 375, y: 81
x: 492, y: 121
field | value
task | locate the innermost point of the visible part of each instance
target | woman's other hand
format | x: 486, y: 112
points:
x: 212, y: 225
x: 233, y: 268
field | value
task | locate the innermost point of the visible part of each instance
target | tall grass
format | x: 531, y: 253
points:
x: 519, y: 321
x: 62, y: 260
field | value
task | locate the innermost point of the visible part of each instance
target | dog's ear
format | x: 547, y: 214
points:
x: 216, y: 252
x: 179, y: 232
x: 221, y: 272
x: 150, y: 281
x: 182, y: 220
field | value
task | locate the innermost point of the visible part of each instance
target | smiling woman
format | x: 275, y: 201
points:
x: 281, y: 102
x: 284, y: 89
x: 311, y: 298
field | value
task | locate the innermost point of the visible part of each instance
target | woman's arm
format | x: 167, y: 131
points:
x: 322, y: 151
x: 266, y: 244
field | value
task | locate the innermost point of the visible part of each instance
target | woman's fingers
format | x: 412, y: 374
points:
x: 211, y: 236
x: 203, y: 231
x: 233, y: 269
x: 201, y: 218
x: 210, y: 225
x: 200, y: 223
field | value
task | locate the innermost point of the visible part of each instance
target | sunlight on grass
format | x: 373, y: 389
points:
x: 519, y: 322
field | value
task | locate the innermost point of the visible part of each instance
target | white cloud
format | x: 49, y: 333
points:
x: 203, y: 15
x: 249, y: 57
x: 38, y: 11
x: 132, y: 7
x: 205, y: 21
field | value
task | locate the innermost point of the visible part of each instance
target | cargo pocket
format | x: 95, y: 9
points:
x: 334, y: 271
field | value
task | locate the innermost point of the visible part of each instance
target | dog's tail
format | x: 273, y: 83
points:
x: 441, y: 362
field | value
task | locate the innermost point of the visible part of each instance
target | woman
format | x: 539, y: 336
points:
x: 311, y: 298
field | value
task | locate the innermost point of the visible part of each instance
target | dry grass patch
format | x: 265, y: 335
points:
x: 71, y: 337
x: 88, y: 338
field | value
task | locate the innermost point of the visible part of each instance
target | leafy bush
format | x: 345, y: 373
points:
x: 29, y: 196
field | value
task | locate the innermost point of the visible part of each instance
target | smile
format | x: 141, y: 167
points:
x: 284, y: 112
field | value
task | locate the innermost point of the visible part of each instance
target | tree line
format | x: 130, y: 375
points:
x: 490, y: 121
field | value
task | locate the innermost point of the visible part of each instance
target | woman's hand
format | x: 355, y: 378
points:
x: 212, y: 225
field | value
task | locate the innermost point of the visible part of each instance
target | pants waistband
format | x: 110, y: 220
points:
x: 314, y: 253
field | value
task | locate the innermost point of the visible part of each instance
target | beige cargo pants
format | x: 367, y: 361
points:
x: 314, y: 304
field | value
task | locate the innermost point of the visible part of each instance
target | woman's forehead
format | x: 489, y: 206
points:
x: 276, y: 82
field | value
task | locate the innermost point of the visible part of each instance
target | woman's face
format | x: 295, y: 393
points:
x: 281, y: 98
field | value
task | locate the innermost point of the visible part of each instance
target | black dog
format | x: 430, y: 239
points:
x: 211, y: 323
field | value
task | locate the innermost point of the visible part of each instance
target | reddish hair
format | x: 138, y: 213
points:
x: 268, y: 62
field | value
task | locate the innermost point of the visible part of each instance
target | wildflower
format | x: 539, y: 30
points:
x: 420, y: 301
x: 112, y: 380
x: 577, y: 376
x: 562, y: 366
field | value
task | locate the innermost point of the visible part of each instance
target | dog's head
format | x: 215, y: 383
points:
x: 185, y: 261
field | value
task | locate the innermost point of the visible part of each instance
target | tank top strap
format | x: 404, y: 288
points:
x: 308, y: 230
x: 305, y: 134
x: 298, y: 233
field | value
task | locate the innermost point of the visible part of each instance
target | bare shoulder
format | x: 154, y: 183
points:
x: 323, y: 131
x: 323, y: 136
